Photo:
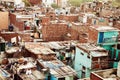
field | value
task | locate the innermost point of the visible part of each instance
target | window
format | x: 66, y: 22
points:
x: 83, y: 75
x: 83, y: 72
x: 83, y: 68
x: 101, y: 36
x: 88, y: 56
x: 82, y: 53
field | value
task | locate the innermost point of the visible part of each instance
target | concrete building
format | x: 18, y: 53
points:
x: 103, y: 35
x: 61, y: 3
x: 89, y: 58
x: 107, y: 37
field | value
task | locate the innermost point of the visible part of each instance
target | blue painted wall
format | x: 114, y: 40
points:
x: 109, y: 37
x: 80, y: 61
x: 53, y: 77
x: 115, y: 54
x: 110, y: 42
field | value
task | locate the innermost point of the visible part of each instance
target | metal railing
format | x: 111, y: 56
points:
x: 110, y: 40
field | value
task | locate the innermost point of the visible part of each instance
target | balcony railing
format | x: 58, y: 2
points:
x: 110, y: 40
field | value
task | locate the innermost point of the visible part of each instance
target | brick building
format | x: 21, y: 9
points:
x: 108, y: 38
x: 70, y: 17
x: 33, y: 2
x: 88, y: 58
x: 59, y: 32
x: 18, y: 24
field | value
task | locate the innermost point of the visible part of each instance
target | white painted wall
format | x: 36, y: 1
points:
x: 17, y: 2
x: 64, y: 3
x: 48, y: 2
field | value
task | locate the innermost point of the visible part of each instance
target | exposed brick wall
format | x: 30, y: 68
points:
x: 71, y: 18
x: 94, y: 77
x: 45, y: 20
x: 54, y: 32
x: 51, y: 15
x: 12, y: 18
x: 93, y: 35
x: 61, y: 17
x: 102, y: 64
x: 83, y: 39
x: 74, y: 34
x: 81, y: 28
x: 18, y: 24
x: 58, y: 32
x: 25, y: 36
x: 35, y: 1
x: 8, y: 36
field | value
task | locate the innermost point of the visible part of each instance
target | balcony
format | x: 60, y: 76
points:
x: 110, y: 41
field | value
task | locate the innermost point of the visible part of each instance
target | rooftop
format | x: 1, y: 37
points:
x: 104, y: 28
x: 95, y: 51
x: 108, y: 74
x: 37, y: 48
x: 58, y: 44
x: 57, y: 68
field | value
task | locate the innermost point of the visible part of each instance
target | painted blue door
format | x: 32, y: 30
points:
x: 101, y: 36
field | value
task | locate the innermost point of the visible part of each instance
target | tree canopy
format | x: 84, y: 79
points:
x: 27, y: 3
x: 78, y: 2
x: 55, y: 6
x: 116, y: 3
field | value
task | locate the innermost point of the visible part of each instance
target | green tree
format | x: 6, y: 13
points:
x: 55, y: 6
x: 116, y: 3
x: 27, y: 3
x: 75, y: 2
x: 78, y: 2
